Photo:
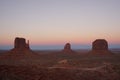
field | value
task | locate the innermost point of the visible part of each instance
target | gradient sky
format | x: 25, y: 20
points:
x: 51, y: 23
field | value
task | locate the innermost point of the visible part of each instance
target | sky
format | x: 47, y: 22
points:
x: 50, y: 24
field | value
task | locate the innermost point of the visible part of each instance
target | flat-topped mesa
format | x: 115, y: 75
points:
x: 20, y: 43
x: 67, y: 48
x: 100, y: 44
x: 21, y: 49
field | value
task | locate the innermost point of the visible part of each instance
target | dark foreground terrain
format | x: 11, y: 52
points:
x: 53, y: 65
x: 35, y: 73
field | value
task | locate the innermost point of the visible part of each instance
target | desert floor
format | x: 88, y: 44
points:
x: 56, y: 65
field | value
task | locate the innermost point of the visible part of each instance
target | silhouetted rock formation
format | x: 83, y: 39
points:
x: 20, y: 43
x: 20, y: 46
x: 20, y: 51
x: 67, y: 48
x: 100, y: 46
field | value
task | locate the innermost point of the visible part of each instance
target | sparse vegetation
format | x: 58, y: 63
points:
x: 46, y: 66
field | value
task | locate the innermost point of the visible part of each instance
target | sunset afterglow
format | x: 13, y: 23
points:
x: 56, y: 22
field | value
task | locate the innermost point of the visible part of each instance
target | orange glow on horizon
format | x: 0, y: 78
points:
x: 58, y: 41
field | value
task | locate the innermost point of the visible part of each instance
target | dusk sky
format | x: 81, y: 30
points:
x: 49, y: 24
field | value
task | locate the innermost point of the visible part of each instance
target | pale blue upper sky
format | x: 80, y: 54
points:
x: 56, y: 22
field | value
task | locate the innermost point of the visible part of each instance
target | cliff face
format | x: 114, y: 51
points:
x: 20, y: 43
x: 21, y: 46
x: 100, y: 44
x: 67, y: 48
x: 20, y: 51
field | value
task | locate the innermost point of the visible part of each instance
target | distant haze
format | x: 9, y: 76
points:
x: 58, y: 47
x: 52, y: 23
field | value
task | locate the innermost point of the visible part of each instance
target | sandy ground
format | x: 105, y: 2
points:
x: 55, y: 65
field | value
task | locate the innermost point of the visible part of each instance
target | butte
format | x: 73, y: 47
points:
x: 21, y: 49
x: 100, y: 46
x: 67, y: 48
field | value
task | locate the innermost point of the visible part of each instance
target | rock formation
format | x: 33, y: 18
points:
x: 100, y: 46
x: 20, y: 46
x: 20, y: 43
x: 21, y: 50
x: 67, y: 48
